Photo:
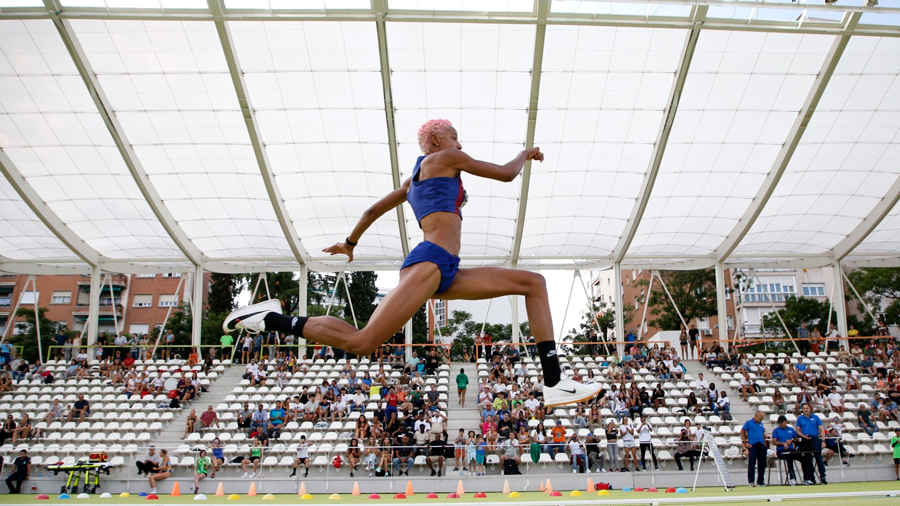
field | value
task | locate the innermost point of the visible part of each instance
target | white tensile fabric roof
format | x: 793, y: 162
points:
x: 247, y: 135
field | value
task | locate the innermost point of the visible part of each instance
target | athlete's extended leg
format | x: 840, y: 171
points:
x: 418, y: 283
x: 490, y: 282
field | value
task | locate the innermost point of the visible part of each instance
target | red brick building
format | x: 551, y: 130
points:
x: 141, y: 300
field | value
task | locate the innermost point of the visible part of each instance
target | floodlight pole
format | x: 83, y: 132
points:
x: 720, y: 304
x: 620, y: 309
x: 94, y: 306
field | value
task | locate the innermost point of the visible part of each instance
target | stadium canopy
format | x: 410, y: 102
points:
x: 247, y: 135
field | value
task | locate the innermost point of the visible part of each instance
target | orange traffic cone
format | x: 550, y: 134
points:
x: 541, y: 488
x: 355, y: 488
x: 505, y: 487
x: 176, y: 490
x: 459, y: 489
x: 409, y: 489
x: 220, y: 490
x: 252, y: 491
x: 302, y: 491
x: 590, y: 487
x: 549, y: 488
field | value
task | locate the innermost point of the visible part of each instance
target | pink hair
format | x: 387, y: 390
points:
x: 431, y: 127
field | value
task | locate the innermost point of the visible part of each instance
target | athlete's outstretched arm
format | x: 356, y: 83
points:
x: 456, y: 159
x: 385, y: 204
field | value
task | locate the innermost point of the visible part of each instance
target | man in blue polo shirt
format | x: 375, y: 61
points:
x: 783, y: 437
x: 811, y: 434
x: 753, y: 434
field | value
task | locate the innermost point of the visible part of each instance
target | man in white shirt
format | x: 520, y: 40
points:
x: 746, y: 387
x: 701, y: 386
x: 531, y: 405
x: 831, y: 339
x: 421, y: 422
x: 837, y: 402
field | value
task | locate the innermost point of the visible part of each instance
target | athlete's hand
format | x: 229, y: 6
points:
x: 534, y: 154
x: 341, y: 248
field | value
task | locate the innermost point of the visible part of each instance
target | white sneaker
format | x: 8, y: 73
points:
x: 245, y: 475
x: 574, y: 471
x: 568, y: 391
x: 251, y: 317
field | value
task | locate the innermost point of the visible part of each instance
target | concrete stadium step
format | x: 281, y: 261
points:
x: 224, y: 384
x: 458, y: 417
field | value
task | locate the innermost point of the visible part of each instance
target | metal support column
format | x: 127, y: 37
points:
x: 94, y: 306
x: 197, y: 306
x: 514, y: 302
x: 302, y: 298
x: 408, y: 339
x: 840, y: 302
x: 720, y: 304
x: 620, y: 309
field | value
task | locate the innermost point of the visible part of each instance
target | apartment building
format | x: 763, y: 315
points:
x: 132, y: 303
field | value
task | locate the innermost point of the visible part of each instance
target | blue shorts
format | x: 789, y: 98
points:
x: 430, y: 252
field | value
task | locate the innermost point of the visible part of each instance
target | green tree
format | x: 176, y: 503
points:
x: 694, y: 292
x: 222, y: 291
x: 796, y: 311
x: 881, y: 288
x: 363, y: 293
x: 282, y: 286
x: 26, y: 335
x: 600, y: 315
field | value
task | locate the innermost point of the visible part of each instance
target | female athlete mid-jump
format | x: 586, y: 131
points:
x: 436, y: 195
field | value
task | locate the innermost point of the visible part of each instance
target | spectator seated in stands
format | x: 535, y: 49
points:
x: 686, y: 446
x: 254, y: 458
x: 55, y: 413
x: 864, y: 417
x: 437, y: 449
x: 510, y: 450
x: 259, y: 421
x: 276, y: 421
x: 404, y: 453
x: 81, y: 409
x: 147, y: 463
x: 190, y: 424
x: 833, y: 443
x: 722, y: 405
x: 209, y: 418
x: 748, y: 388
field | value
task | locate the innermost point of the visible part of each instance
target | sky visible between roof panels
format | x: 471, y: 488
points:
x: 316, y: 89
x: 169, y: 85
x: 50, y: 129
x: 847, y: 159
x: 477, y: 76
x: 603, y: 93
x: 741, y: 96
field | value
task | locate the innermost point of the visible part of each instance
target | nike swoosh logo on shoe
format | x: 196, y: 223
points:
x: 567, y: 391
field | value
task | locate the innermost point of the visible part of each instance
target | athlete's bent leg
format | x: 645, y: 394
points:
x: 490, y: 282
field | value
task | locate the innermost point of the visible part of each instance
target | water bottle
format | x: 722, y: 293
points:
x: 40, y: 474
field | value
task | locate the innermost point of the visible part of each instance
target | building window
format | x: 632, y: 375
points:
x: 637, y: 302
x: 61, y: 298
x: 814, y: 290
x: 633, y: 275
x: 147, y: 275
x: 440, y: 312
x: 30, y: 298
x: 143, y: 301
x: 770, y: 289
x: 168, y: 301
x: 172, y: 275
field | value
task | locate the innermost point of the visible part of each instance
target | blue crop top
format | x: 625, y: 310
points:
x: 436, y: 194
